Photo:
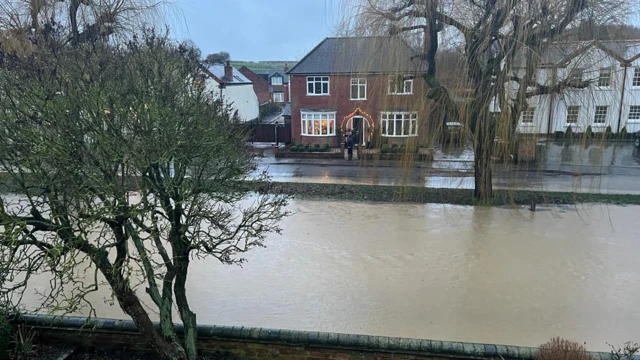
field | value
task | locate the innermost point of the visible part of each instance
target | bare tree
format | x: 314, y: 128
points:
x: 126, y: 169
x: 502, y: 41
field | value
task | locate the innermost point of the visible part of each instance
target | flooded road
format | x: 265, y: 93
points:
x: 436, y: 272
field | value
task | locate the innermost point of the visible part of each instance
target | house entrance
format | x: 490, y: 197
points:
x: 360, y: 128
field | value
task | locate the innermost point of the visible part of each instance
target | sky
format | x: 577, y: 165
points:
x: 254, y: 30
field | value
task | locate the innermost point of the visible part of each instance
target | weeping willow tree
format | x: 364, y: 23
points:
x: 25, y: 24
x: 501, y: 43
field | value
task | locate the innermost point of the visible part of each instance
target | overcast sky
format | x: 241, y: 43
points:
x: 257, y: 29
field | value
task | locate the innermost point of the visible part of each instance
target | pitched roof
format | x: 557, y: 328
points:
x: 268, y: 74
x: 561, y: 53
x: 383, y: 54
x: 238, y: 78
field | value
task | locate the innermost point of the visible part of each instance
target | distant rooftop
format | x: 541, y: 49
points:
x: 383, y: 54
x: 238, y: 77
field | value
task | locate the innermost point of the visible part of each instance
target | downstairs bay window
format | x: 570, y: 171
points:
x: 318, y: 123
x: 399, y: 124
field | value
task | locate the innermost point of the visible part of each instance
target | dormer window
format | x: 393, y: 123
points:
x: 276, y: 80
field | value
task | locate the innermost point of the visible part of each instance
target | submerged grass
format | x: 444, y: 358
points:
x: 411, y: 194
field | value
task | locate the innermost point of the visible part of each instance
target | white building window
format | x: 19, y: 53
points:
x: 318, y: 123
x: 359, y: 89
x: 401, y: 84
x: 634, y: 113
x: 636, y: 77
x: 276, y: 80
x: 600, y: 116
x: 527, y: 115
x: 317, y: 85
x: 278, y: 97
x: 604, y: 77
x: 572, y: 114
x: 575, y: 77
x: 399, y: 124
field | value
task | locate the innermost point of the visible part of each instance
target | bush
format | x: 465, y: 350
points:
x: 308, y: 148
x: 384, y: 149
x: 5, y: 335
x: 293, y: 148
x: 559, y: 134
x: 589, y: 132
x: 561, y: 349
x: 569, y: 133
x: 324, y: 147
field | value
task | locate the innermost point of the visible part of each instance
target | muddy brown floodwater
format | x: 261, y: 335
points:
x: 443, y: 272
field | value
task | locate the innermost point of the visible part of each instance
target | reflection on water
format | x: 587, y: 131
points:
x: 434, y: 271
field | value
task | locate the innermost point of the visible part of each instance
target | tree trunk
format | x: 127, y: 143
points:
x: 130, y: 304
x: 187, y: 316
x: 483, y: 190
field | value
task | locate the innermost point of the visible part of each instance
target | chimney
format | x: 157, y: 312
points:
x: 286, y: 67
x: 228, y: 71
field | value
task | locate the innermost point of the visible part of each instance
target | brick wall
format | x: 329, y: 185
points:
x: 239, y: 342
x: 260, y: 85
x: 340, y: 101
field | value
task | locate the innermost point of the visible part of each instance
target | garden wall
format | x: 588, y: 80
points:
x: 239, y: 342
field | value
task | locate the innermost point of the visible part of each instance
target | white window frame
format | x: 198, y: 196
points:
x: 360, y: 85
x: 634, y: 114
x: 407, y: 82
x: 321, y: 81
x: 607, y: 79
x: 636, y: 77
x: 276, y: 80
x: 388, y: 119
x: 571, y: 114
x: 281, y: 96
x: 576, y: 76
x: 529, y: 114
x: 312, y: 120
x: 599, y: 113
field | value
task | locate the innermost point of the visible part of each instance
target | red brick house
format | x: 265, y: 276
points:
x: 369, y: 85
x: 278, y: 81
x: 260, y: 85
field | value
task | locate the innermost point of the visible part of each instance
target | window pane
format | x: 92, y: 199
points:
x: 309, y: 127
x: 316, y: 127
x: 383, y: 130
x: 634, y: 112
x: 325, y: 78
x: 405, y: 127
x: 309, y: 88
x: 408, y: 86
x: 304, y: 125
x: 324, y: 127
x: 332, y: 124
x: 636, y: 77
x: 354, y: 91
x: 325, y: 88
x: 398, y: 127
x: 414, y: 127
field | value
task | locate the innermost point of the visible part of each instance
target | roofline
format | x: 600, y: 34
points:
x: 412, y: 71
x: 288, y: 72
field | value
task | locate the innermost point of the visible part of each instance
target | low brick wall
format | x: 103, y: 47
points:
x: 239, y: 342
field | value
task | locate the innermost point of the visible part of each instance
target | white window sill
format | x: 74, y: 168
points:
x: 570, y: 124
x: 528, y: 125
x: 633, y: 121
x: 358, y: 99
x: 318, y: 135
x: 400, y: 94
x: 399, y: 136
x: 599, y: 125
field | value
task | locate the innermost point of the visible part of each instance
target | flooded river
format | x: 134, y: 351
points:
x: 437, y: 272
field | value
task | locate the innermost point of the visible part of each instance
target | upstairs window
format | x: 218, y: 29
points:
x: 575, y: 77
x: 278, y: 97
x: 604, y: 77
x: 400, y: 85
x: 600, y: 116
x: 572, y: 114
x: 527, y: 115
x: 276, y: 80
x: 634, y: 113
x: 359, y: 89
x: 636, y: 77
x: 317, y: 85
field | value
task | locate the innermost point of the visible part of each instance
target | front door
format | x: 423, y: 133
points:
x: 357, y: 127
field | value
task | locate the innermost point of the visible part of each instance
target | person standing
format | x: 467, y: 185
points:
x: 349, y: 146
